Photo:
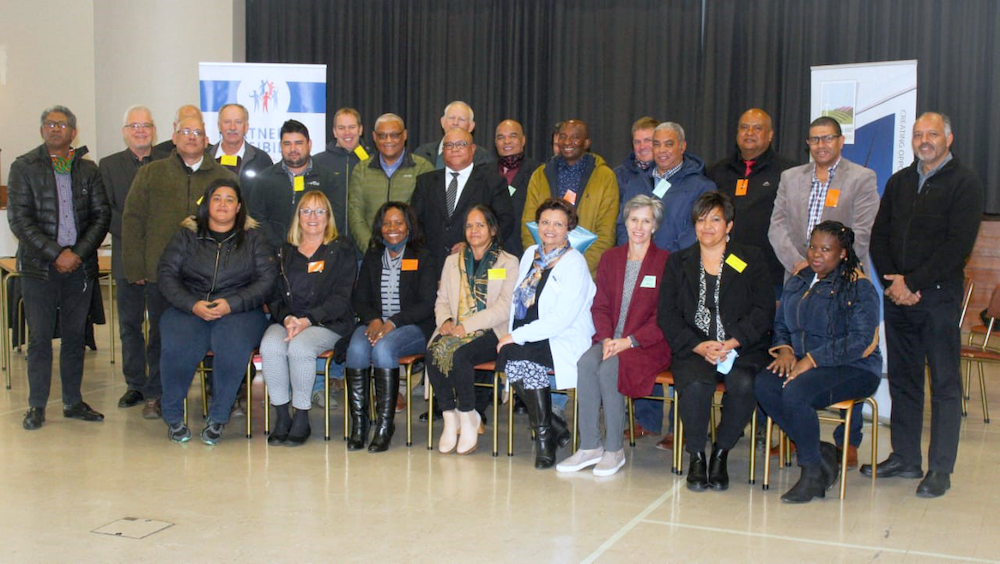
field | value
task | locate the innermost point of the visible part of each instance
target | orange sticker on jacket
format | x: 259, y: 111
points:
x: 316, y: 266
x: 570, y: 197
x: 832, y: 197
x: 410, y: 264
x: 741, y: 187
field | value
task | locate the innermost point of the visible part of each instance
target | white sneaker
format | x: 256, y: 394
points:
x: 580, y: 460
x: 610, y: 463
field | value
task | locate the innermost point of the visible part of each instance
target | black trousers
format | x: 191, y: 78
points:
x: 927, y: 330
x: 140, y: 359
x: 737, y: 407
x: 457, y: 389
x: 67, y: 295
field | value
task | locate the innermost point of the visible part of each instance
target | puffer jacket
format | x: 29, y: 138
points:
x: 194, y: 268
x: 33, y: 211
x: 330, y: 302
x: 807, y: 321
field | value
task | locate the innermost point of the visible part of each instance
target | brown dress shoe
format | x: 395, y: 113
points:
x: 666, y: 443
x: 400, y: 403
x: 152, y: 409
x: 852, y: 455
x: 640, y: 432
x: 791, y: 449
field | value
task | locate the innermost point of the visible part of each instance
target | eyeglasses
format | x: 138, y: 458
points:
x: 319, y: 212
x: 55, y: 125
x: 824, y: 139
x: 189, y: 132
x: 138, y: 126
x: 450, y: 145
x: 382, y: 136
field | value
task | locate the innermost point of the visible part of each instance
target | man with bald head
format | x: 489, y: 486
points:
x: 389, y: 175
x: 926, y: 226
x: 234, y: 152
x: 583, y: 180
x: 750, y: 177
x: 441, y: 198
x: 163, y: 194
x: 456, y: 114
x: 517, y: 168
x: 183, y: 112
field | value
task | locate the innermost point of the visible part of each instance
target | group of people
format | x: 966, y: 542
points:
x: 567, y: 274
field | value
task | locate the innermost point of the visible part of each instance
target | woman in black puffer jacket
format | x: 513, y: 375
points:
x: 216, y: 273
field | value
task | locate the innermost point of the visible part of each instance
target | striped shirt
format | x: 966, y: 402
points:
x: 390, y: 284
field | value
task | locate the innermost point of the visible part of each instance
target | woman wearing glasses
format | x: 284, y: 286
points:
x: 310, y: 311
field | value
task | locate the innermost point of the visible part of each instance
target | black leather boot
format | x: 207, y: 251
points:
x: 386, y: 393
x: 282, y: 423
x: 540, y: 401
x: 357, y: 404
x: 300, y: 429
x: 830, y: 463
x: 718, y: 473
x: 697, y: 479
x: 810, y: 485
x: 561, y: 430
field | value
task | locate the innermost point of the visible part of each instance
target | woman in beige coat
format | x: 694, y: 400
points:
x: 471, y: 312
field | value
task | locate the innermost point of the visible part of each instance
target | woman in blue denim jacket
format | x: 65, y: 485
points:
x: 825, y: 351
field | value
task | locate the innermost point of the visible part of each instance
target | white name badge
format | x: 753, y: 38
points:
x: 648, y: 281
x: 661, y: 188
x: 511, y: 189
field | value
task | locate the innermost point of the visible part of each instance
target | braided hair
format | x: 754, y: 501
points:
x: 847, y: 273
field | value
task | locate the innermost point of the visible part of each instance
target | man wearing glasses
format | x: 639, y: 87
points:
x: 233, y: 151
x: 388, y: 176
x: 279, y: 188
x: 58, y: 212
x: 456, y: 114
x: 118, y: 171
x: 164, y: 193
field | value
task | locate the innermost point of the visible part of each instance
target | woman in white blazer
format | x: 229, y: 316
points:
x: 550, y: 324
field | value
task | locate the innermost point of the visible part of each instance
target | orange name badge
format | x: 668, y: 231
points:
x: 316, y: 266
x: 741, y: 187
x: 832, y: 197
x: 570, y: 197
x: 410, y: 264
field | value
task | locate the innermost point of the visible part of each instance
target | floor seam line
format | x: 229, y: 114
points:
x: 640, y: 517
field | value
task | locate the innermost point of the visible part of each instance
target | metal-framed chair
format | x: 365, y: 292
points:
x: 485, y: 367
x: 980, y: 354
x: 570, y: 393
x: 201, y: 372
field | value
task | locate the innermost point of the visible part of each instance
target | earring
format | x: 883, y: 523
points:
x: 727, y: 238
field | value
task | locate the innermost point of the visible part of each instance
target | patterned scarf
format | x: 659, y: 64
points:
x: 702, y: 316
x: 63, y: 165
x: 524, y: 296
x: 513, y: 161
x: 471, y: 300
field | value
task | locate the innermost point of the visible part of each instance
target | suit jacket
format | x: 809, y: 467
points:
x: 416, y: 291
x: 253, y: 163
x: 856, y: 208
x: 637, y: 367
x: 746, y: 303
x: 512, y: 244
x: 498, y: 295
x: 441, y: 231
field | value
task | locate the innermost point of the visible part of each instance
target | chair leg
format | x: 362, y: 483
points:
x: 574, y: 442
x: 753, y: 447
x: 185, y: 411
x: 768, y: 427
x: 326, y: 403
x: 678, y: 436
x: 204, y: 393
x: 267, y: 411
x: 843, y: 451
x: 250, y: 397
x: 631, y: 423
x: 874, y: 405
x: 982, y: 391
x: 496, y: 413
x: 713, y: 423
x: 430, y: 414
x: 510, y: 422
x: 347, y: 412
x: 409, y: 404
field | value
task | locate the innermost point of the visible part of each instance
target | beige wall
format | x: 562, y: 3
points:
x: 100, y: 57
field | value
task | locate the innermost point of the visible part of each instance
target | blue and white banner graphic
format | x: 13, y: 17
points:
x: 272, y: 94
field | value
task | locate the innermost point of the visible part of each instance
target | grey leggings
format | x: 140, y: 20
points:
x: 293, y: 364
x: 597, y: 383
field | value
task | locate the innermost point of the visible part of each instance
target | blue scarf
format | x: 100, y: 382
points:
x: 524, y: 296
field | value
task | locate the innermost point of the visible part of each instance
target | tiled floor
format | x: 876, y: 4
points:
x: 244, y: 501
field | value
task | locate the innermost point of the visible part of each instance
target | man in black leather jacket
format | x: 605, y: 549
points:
x: 59, y: 213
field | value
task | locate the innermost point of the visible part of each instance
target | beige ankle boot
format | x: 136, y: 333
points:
x: 449, y: 434
x: 468, y: 438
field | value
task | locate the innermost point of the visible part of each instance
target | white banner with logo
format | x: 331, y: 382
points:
x: 875, y: 104
x: 272, y: 94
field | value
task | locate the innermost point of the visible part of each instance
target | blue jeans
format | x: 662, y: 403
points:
x: 793, y: 407
x: 186, y: 338
x: 399, y: 342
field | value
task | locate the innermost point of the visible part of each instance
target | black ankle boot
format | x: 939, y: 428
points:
x: 386, y: 392
x: 560, y: 430
x: 830, y: 463
x: 810, y: 485
x: 300, y: 430
x: 281, y: 425
x: 357, y: 405
x: 718, y: 473
x: 697, y: 479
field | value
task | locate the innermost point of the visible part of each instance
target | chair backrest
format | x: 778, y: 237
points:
x: 969, y: 287
x: 993, y: 310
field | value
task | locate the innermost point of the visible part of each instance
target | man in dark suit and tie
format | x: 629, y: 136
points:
x: 441, y: 198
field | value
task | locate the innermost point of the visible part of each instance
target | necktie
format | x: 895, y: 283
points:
x: 749, y: 165
x: 452, y: 193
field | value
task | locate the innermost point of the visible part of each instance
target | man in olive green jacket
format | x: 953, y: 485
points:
x: 387, y: 176
x: 582, y: 179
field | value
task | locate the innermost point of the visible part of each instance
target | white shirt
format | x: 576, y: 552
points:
x: 197, y: 165
x: 241, y: 153
x: 463, y: 177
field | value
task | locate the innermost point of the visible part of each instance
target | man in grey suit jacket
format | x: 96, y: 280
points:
x: 829, y: 188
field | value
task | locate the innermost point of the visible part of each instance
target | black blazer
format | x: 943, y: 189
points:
x: 747, y: 306
x: 512, y: 243
x: 331, y: 298
x: 417, y: 291
x: 485, y: 186
x: 117, y: 172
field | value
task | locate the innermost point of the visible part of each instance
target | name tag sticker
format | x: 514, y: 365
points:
x: 741, y: 187
x: 410, y: 265
x: 570, y: 197
x: 299, y: 183
x: 496, y: 274
x: 198, y: 203
x: 648, y: 281
x: 736, y: 262
x: 228, y: 160
x: 316, y: 266
x: 511, y: 189
x: 661, y: 188
x: 832, y: 197
x: 361, y: 152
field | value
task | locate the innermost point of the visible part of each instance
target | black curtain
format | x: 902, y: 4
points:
x: 697, y: 62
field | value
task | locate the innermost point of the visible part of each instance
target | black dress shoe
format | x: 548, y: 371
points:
x: 437, y: 416
x: 893, y: 466
x: 130, y: 398
x: 81, y: 411
x: 934, y: 484
x: 34, y: 418
x: 697, y: 479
